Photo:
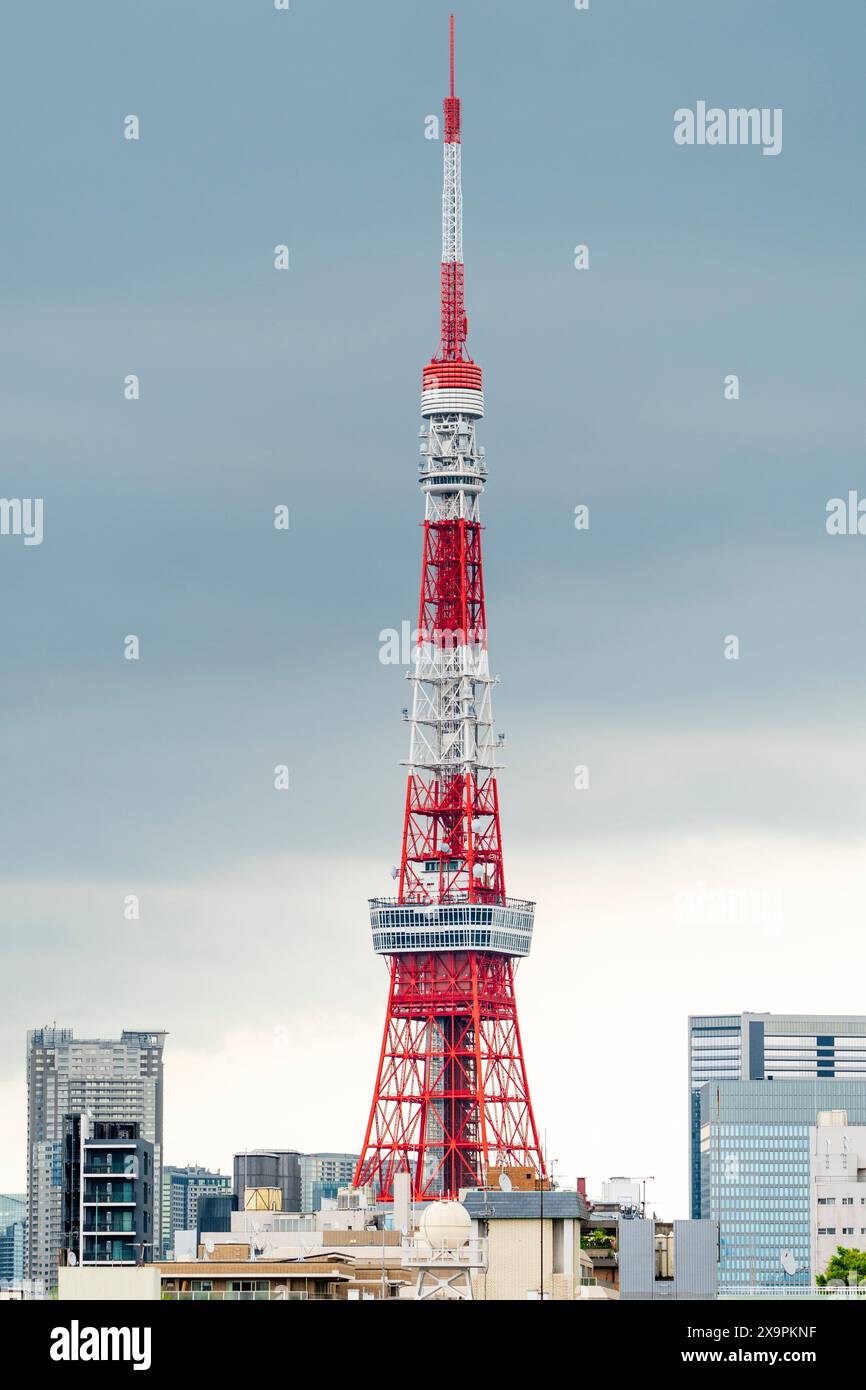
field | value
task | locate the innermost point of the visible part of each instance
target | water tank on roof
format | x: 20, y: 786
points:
x: 446, y: 1225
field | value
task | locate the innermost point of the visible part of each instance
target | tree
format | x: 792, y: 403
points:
x: 843, y: 1263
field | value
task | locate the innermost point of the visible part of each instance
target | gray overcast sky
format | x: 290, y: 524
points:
x: 257, y: 387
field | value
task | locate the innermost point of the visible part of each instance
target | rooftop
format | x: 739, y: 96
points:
x: 485, y: 1205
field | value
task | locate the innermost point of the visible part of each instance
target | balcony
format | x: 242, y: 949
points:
x: 118, y: 1251
x: 96, y: 1167
x: 109, y: 1223
x: 501, y: 928
x: 113, y: 1193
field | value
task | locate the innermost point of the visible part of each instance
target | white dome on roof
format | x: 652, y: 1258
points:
x: 446, y: 1225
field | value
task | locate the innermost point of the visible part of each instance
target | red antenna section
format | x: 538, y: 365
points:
x: 451, y: 1105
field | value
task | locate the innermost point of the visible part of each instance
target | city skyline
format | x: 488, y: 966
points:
x: 722, y: 826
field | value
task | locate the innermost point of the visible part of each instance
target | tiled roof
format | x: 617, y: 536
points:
x: 514, y: 1206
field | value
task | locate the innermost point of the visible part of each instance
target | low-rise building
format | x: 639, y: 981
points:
x: 837, y: 1187
x: 533, y: 1244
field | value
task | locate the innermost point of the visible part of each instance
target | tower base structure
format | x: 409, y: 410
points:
x: 452, y: 1098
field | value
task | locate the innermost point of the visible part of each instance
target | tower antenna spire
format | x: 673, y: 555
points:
x: 454, y: 325
x: 452, y: 55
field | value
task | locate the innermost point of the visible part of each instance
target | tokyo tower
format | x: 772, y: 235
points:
x: 451, y: 1099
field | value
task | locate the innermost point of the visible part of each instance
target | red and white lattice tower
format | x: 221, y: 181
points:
x: 451, y: 1099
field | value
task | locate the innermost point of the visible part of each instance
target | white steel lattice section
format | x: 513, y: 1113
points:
x: 452, y: 710
x: 452, y: 206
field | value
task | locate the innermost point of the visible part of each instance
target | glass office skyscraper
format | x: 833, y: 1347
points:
x: 754, y: 1171
x: 767, y: 1047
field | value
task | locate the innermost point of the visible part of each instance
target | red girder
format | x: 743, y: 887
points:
x: 454, y: 325
x: 452, y: 585
x: 452, y: 1099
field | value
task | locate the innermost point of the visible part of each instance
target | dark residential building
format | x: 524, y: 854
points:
x: 107, y: 1197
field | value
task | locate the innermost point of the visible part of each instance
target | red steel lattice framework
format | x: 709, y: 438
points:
x: 451, y: 1099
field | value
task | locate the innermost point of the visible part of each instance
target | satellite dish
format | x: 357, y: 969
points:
x: 395, y: 872
x: 73, y: 1259
x: 505, y: 1183
x: 209, y: 1246
x: 789, y: 1264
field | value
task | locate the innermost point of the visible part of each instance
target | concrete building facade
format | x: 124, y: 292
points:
x: 533, y: 1242
x: 837, y: 1188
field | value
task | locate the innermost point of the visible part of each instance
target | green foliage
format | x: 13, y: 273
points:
x: 843, y: 1263
x: 597, y: 1240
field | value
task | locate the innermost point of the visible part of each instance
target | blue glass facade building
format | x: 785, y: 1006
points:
x: 754, y: 1170
x: 13, y: 1225
x: 767, y: 1047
